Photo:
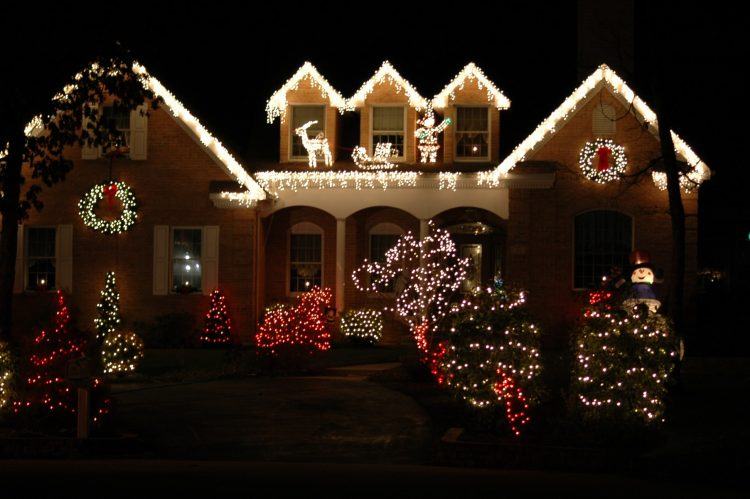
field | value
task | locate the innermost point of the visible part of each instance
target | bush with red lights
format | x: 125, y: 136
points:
x: 299, y: 327
x: 45, y: 389
x: 487, y: 355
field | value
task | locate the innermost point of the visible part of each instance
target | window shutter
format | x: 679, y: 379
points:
x: 93, y: 152
x: 161, y: 259
x: 64, y: 257
x: 210, y: 258
x: 18, y: 284
x: 138, y: 133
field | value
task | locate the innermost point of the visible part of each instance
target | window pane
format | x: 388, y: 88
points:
x: 388, y: 118
x: 603, y: 239
x: 472, y: 132
x: 471, y: 119
x: 186, y: 259
x: 40, y: 253
x: 396, y: 141
x: 300, y: 116
x: 306, y: 263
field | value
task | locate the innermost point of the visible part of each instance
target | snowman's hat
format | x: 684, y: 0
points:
x: 640, y: 258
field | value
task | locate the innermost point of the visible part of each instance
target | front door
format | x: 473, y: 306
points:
x: 474, y: 278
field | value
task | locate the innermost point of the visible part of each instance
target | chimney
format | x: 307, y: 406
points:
x: 605, y: 35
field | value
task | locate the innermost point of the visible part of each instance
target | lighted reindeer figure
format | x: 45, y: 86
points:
x: 318, y: 145
x: 427, y: 134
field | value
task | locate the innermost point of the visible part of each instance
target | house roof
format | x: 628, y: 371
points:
x: 212, y: 145
x: 471, y: 72
x: 602, y: 77
x: 387, y: 73
x: 277, y: 104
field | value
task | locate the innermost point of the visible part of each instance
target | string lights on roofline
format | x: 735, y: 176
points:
x: 387, y: 74
x: 210, y: 142
x: 471, y: 72
x: 275, y: 181
x: 603, y: 75
x: 277, y: 103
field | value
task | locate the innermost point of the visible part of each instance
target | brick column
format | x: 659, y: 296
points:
x: 340, y: 263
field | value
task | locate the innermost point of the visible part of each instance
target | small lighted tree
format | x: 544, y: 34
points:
x: 108, y: 308
x: 217, y: 328
x: 428, y: 275
x: 6, y: 376
x: 122, y: 351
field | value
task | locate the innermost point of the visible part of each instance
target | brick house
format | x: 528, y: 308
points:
x: 264, y: 233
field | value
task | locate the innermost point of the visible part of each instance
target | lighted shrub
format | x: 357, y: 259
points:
x: 363, y: 326
x: 487, y: 354
x: 623, y: 366
x: 6, y: 376
x: 122, y: 351
x: 301, y: 327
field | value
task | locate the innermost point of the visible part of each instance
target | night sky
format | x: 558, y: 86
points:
x: 223, y: 65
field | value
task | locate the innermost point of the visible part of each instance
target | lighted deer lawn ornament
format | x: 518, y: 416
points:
x: 427, y: 134
x: 318, y: 145
x: 381, y: 160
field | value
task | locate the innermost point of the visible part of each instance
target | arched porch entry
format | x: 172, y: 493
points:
x: 480, y: 235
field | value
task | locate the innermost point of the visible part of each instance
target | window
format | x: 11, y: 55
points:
x: 603, y: 239
x: 40, y: 258
x: 472, y: 133
x: 186, y: 260
x: 603, y: 120
x: 119, y: 119
x: 300, y: 116
x: 305, y: 257
x: 388, y: 126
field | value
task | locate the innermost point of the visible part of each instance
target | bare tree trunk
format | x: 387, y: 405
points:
x: 11, y: 188
x: 677, y: 214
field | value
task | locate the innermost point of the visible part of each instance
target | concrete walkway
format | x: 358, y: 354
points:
x: 328, y: 418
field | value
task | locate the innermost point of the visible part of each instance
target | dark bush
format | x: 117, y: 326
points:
x: 175, y: 330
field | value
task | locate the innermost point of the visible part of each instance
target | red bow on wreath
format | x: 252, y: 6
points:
x: 110, y: 191
x: 603, y: 161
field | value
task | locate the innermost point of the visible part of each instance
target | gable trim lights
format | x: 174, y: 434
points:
x: 277, y: 104
x: 471, y: 72
x: 387, y: 73
x: 601, y: 77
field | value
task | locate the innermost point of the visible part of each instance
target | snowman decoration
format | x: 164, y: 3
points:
x: 642, y: 281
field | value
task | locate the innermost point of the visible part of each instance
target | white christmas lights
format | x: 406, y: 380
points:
x: 121, y: 352
x: 314, y: 147
x: 599, y: 78
x: 602, y: 160
x: 274, y: 181
x: 277, y: 105
x: 448, y: 180
x: 363, y: 325
x: 427, y: 133
x: 471, y: 72
x: 386, y: 74
x: 91, y: 199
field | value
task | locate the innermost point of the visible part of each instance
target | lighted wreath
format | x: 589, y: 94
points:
x: 602, y: 160
x: 110, y: 190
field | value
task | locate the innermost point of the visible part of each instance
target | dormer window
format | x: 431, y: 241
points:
x: 472, y: 133
x: 300, y: 116
x: 388, y: 127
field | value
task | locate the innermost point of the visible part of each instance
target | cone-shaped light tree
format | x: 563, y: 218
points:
x: 109, y: 308
x: 218, y: 326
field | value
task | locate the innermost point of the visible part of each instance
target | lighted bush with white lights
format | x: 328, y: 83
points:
x: 623, y: 366
x: 122, y: 351
x: 487, y: 355
x: 364, y: 326
x: 6, y: 375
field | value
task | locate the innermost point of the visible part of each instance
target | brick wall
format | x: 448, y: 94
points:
x: 171, y: 188
x: 540, y: 225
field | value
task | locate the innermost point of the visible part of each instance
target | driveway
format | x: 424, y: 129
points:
x: 335, y: 419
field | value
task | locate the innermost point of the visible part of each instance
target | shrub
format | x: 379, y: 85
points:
x: 487, y: 354
x: 121, y: 352
x: 174, y: 330
x: 623, y: 365
x: 6, y: 376
x: 363, y: 326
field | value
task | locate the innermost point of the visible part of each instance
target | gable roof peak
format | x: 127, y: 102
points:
x: 387, y: 73
x: 277, y: 103
x: 471, y: 72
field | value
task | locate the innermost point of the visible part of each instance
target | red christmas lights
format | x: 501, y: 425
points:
x: 303, y: 325
x: 516, y: 404
x: 218, y: 325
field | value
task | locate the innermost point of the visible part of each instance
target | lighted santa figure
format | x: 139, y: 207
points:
x: 642, y: 282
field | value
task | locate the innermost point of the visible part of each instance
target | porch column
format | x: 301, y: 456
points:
x: 340, y: 260
x: 424, y: 228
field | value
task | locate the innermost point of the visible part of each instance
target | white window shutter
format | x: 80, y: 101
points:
x: 210, y: 258
x: 18, y: 284
x: 89, y: 152
x: 64, y: 258
x: 161, y: 259
x: 138, y: 133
